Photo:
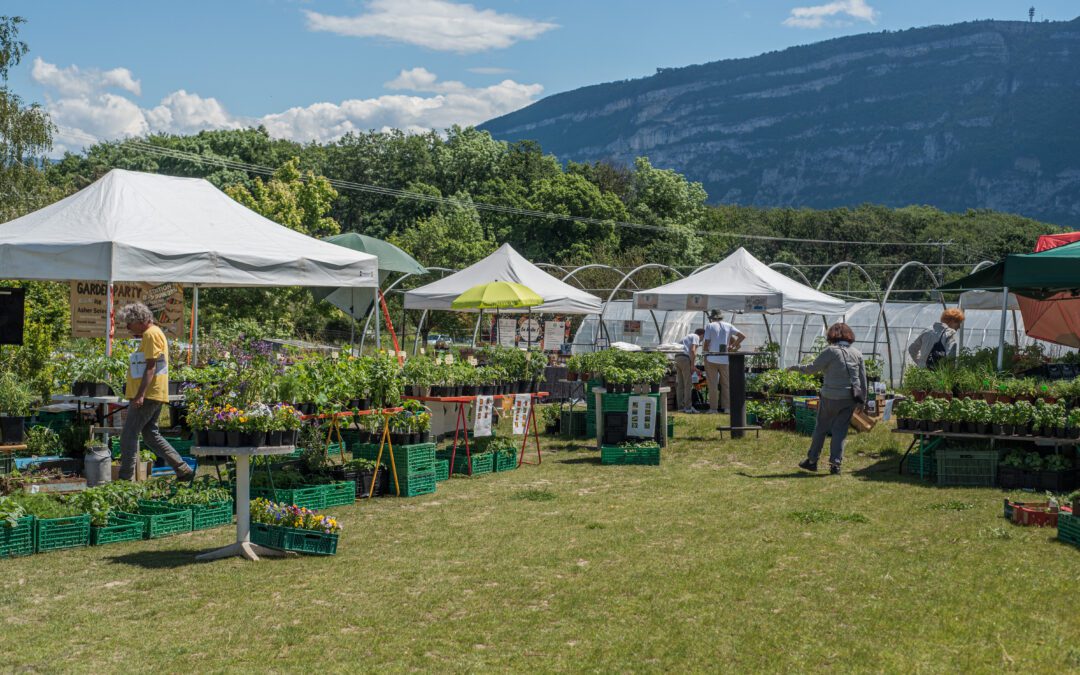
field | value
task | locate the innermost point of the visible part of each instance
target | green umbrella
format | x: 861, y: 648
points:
x: 497, y: 295
x: 357, y: 302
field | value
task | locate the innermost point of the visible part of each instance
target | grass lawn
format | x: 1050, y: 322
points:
x: 725, y: 557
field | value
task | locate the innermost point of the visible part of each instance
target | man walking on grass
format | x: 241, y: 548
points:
x: 147, y: 390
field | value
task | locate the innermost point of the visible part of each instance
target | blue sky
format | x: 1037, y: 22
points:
x: 316, y: 69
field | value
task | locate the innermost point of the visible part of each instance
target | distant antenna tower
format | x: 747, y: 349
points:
x: 1031, y: 14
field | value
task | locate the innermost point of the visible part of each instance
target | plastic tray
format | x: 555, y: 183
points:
x: 53, y: 534
x: 17, y: 540
x: 415, y: 485
x: 290, y: 539
x: 159, y: 519
x: 339, y: 494
x: 621, y: 455
x: 115, y: 532
x: 206, y: 516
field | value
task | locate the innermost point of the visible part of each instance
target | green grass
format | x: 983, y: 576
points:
x: 694, y: 565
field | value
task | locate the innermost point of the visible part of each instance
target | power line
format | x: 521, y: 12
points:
x: 482, y: 206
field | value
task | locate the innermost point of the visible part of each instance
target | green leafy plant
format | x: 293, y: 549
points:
x: 10, y: 512
x: 16, y: 397
x: 43, y: 441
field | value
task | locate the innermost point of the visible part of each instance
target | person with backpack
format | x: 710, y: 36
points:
x: 843, y: 391
x: 940, y: 343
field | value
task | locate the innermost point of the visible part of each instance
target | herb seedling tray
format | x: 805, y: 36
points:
x: 291, y: 539
x: 115, y: 532
x: 17, y: 540
x: 54, y: 534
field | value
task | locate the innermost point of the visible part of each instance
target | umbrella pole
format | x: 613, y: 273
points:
x: 195, y: 325
x: 109, y: 319
x: 528, y: 332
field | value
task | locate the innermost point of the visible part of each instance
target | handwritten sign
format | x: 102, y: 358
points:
x: 89, y: 302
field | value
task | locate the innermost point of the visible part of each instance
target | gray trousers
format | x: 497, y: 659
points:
x: 144, y: 420
x: 684, y: 381
x: 833, y: 415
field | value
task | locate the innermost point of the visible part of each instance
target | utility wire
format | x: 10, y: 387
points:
x: 482, y: 206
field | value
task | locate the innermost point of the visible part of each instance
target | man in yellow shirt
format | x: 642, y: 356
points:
x: 147, y: 390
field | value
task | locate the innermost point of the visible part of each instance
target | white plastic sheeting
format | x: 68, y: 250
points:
x: 905, y: 322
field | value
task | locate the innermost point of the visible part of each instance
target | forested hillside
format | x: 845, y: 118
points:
x: 972, y: 115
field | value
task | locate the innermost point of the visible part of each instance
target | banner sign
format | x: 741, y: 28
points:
x: 484, y: 406
x: 522, y: 403
x: 507, y: 332
x: 631, y: 327
x: 554, y: 332
x: 89, y: 301
x: 641, y: 418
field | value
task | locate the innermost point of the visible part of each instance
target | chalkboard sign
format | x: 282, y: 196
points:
x: 12, y: 315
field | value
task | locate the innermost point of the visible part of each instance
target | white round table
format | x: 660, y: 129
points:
x: 243, y: 546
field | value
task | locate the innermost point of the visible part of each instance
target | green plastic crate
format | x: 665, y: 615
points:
x: 339, y: 494
x: 159, y: 519
x: 53, y: 534
x: 442, y: 469
x: 418, y: 458
x: 572, y: 423
x: 481, y: 463
x: 971, y: 467
x: 308, y: 542
x: 620, y: 402
x: 7, y: 463
x: 416, y: 484
x: 504, y: 462
x: 1069, y: 528
x: 115, y: 532
x: 17, y: 540
x: 313, y: 497
x: 619, y: 455
x: 206, y: 516
x: 921, y: 464
x: 181, y: 445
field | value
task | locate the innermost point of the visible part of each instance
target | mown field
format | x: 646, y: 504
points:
x: 725, y: 557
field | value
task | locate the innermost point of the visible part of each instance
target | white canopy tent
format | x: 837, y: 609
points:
x: 739, y: 283
x: 505, y: 264
x: 133, y: 226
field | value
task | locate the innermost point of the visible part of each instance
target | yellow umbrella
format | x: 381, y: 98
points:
x: 497, y: 295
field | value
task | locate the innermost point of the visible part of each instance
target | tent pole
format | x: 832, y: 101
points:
x: 195, y: 323
x: 109, y: 319
x: 378, y: 320
x: 1004, y: 316
x: 781, y: 359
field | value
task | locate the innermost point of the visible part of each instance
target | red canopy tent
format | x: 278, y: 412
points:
x: 1056, y: 319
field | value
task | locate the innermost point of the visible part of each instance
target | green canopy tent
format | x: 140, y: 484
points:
x: 1051, y: 274
x: 359, y: 303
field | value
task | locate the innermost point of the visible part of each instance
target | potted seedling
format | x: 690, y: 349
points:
x: 903, y: 412
x: 1073, y: 424
x: 16, y: 397
x: 1023, y: 414
x: 980, y: 416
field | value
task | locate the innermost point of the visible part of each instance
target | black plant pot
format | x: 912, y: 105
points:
x: 217, y: 439
x: 982, y: 428
x: 654, y: 388
x: 202, y: 437
x: 233, y: 439
x: 273, y: 438
x: 998, y: 429
x: 425, y: 437
x: 468, y: 390
x: 12, y: 430
x: 414, y: 438
x: 257, y: 438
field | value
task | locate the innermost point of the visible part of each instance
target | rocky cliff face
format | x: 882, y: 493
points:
x: 974, y: 115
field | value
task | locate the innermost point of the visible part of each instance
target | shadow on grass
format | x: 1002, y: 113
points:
x: 581, y: 460
x: 790, y: 474
x: 154, y: 560
x: 887, y: 470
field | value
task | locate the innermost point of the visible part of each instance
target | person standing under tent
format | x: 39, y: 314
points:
x: 720, y: 338
x: 147, y: 390
x: 938, y: 343
x: 843, y: 391
x: 685, y: 361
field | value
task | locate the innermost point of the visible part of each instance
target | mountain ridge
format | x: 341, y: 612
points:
x: 972, y: 115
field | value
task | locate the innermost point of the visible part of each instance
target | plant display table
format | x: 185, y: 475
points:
x: 243, y: 546
x: 661, y: 415
x: 461, y: 425
x: 929, y: 440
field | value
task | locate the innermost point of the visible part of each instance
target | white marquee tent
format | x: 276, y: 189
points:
x: 505, y: 264
x: 739, y: 282
x: 133, y: 226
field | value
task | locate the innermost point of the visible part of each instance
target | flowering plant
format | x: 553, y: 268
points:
x: 285, y: 418
x: 270, y: 513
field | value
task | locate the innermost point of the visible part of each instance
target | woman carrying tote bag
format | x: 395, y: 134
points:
x: 843, y: 391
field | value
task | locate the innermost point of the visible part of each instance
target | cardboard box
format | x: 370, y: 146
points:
x: 142, y: 470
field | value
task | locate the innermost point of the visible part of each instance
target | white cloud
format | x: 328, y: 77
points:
x: 824, y: 15
x: 431, y: 104
x: 490, y: 70
x: 435, y: 24
x: 72, y: 81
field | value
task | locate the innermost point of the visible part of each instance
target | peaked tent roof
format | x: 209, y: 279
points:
x: 505, y: 264
x: 133, y: 226
x: 1037, y: 275
x: 739, y: 282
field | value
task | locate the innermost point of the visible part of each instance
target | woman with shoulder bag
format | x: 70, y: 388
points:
x: 843, y: 391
